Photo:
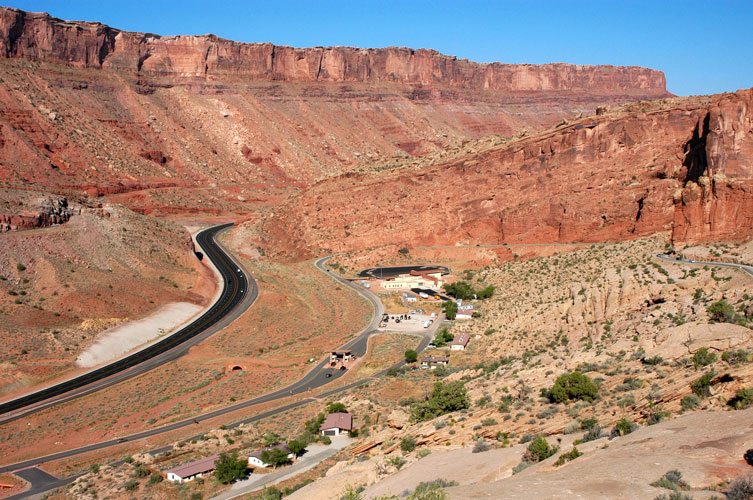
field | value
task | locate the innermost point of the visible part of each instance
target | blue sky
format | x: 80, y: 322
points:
x: 703, y: 47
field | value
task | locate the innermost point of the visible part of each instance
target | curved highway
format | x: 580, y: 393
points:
x: 745, y: 268
x: 315, y: 378
x: 238, y: 293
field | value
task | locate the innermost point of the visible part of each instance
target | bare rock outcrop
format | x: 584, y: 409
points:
x: 682, y: 165
x: 95, y: 45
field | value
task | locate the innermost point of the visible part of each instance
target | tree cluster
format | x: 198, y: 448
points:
x: 464, y: 290
x: 573, y: 385
x: 444, y: 398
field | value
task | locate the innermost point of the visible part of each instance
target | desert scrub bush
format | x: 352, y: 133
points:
x: 690, y: 402
x: 623, y: 427
x: 741, y: 489
x: 520, y: 467
x: 488, y: 421
x: 572, y: 427
x: 131, y: 485
x: 629, y: 384
x: 568, y: 457
x: 423, y: 453
x: 702, y: 386
x: 571, y: 386
x: 721, y: 311
x: 396, y: 462
x: 140, y: 471
x: 407, y: 444
x: 539, y: 450
x: 675, y: 495
x: 743, y: 399
x: 594, y: 433
x: 703, y: 357
x: 671, y: 480
x: 737, y: 357
x: 155, y: 478
x: 480, y: 446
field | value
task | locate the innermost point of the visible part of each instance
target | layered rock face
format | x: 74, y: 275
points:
x: 683, y: 165
x: 94, y: 45
x: 198, y: 124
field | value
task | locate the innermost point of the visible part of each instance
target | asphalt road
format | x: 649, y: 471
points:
x: 743, y: 267
x: 379, y: 272
x: 238, y: 293
x: 314, y: 379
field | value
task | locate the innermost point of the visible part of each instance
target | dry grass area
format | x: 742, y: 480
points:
x: 384, y: 351
x: 60, y: 286
x: 631, y: 323
x: 301, y: 313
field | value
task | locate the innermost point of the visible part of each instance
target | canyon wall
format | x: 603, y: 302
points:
x: 93, y: 45
x: 683, y: 165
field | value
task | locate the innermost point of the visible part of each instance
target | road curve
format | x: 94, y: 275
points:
x: 745, y: 268
x: 238, y: 293
x: 315, y: 378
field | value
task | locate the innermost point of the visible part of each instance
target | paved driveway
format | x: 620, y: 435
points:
x: 315, y: 454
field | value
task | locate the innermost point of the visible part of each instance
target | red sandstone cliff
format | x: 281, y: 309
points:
x: 683, y: 165
x: 94, y: 45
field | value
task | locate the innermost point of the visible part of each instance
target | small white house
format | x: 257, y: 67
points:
x: 336, y: 424
x: 192, y: 470
x: 464, y: 314
x: 460, y: 342
x: 254, y: 459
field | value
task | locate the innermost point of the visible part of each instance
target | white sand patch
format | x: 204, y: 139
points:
x: 114, y: 342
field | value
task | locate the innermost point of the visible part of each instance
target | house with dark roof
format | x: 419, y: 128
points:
x: 254, y: 459
x: 336, y: 424
x: 192, y: 470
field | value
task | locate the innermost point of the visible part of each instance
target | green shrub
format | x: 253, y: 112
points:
x: 675, y: 495
x: 671, y: 480
x: 333, y: 407
x: 595, y: 432
x: 743, y: 398
x: 737, y: 357
x: 702, y: 386
x: 520, y: 467
x: 270, y: 493
x: 140, y: 471
x: 411, y: 356
x: 94, y: 468
x: 588, y: 423
x: 690, y: 402
x: 703, y: 357
x: 131, y: 485
x: 539, y: 450
x: 444, y: 398
x: 569, y: 456
x: 155, y: 478
x: 407, y: 444
x: 623, y: 427
x: 20, y: 267
x: 741, y: 489
x: 480, y: 446
x: 721, y: 311
x: 571, y: 386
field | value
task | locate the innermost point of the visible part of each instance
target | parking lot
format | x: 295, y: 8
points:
x: 408, y: 323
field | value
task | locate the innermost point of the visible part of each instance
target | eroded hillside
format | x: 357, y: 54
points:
x: 680, y: 165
